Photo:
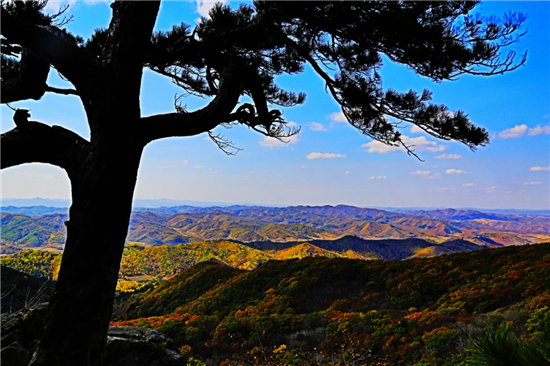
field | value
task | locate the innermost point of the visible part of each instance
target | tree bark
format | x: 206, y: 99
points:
x: 80, y: 310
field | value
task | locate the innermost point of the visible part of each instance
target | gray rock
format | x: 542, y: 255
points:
x: 126, y: 346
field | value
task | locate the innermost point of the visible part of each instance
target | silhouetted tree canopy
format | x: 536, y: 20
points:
x: 240, y: 52
x: 233, y: 54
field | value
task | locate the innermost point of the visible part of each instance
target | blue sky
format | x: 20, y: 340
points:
x: 330, y: 162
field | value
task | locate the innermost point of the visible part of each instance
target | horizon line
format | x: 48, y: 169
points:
x: 206, y: 204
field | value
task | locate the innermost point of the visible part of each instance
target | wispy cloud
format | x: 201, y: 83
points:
x: 420, y: 172
x: 520, y: 130
x: 316, y: 155
x: 426, y: 174
x: 416, y: 129
x: 55, y: 5
x: 449, y: 156
x: 539, y: 130
x: 347, y: 172
x: 378, y: 177
x: 423, y: 144
x: 381, y: 148
x: 416, y: 143
x: 531, y: 183
x: 490, y: 189
x: 315, y: 126
x: 204, y: 6
x: 455, y: 171
x: 274, y: 143
x: 540, y: 168
x: 514, y: 132
x: 198, y: 167
x: 338, y: 117
x: 469, y: 185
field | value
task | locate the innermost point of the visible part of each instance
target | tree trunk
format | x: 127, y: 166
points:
x: 80, y: 311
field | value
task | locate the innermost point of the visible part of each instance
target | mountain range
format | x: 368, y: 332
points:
x: 43, y: 227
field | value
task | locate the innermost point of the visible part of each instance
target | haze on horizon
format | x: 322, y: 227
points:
x: 329, y: 162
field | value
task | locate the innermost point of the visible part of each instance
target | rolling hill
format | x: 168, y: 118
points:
x: 156, y: 262
x: 246, y: 224
x: 419, y: 311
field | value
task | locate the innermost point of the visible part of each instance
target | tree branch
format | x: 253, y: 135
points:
x: 61, y: 91
x: 218, y: 111
x: 29, y: 82
x: 35, y: 142
x: 56, y: 46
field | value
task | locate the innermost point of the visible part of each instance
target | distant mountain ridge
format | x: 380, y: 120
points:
x: 188, y: 224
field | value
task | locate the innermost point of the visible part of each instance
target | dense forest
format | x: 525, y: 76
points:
x: 435, y: 311
x: 235, y: 308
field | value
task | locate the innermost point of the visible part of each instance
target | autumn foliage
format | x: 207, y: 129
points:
x: 343, y: 311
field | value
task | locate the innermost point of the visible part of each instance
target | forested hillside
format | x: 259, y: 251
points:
x: 319, y: 310
x: 418, y: 311
x: 141, y: 263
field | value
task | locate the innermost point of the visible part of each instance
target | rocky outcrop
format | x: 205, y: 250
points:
x: 134, y: 346
x: 126, y: 346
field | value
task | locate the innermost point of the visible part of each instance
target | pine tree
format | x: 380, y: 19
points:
x: 234, y: 53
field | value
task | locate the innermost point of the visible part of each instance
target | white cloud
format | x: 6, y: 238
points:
x: 449, y: 156
x: 531, y: 183
x: 514, y: 132
x: 56, y: 5
x: 416, y: 129
x: 198, y: 167
x: 539, y: 130
x: 426, y: 174
x: 381, y: 148
x: 415, y: 143
x: 469, y: 185
x: 274, y: 143
x: 540, y: 168
x: 455, y: 171
x: 445, y: 189
x: 204, y: 6
x: 347, y: 172
x: 491, y: 189
x: 420, y: 172
x: 378, y: 177
x: 338, y: 117
x: 303, y: 166
x: 520, y: 130
x: 316, y: 155
x: 315, y: 126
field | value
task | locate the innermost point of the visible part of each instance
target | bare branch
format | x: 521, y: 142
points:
x: 224, y: 145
